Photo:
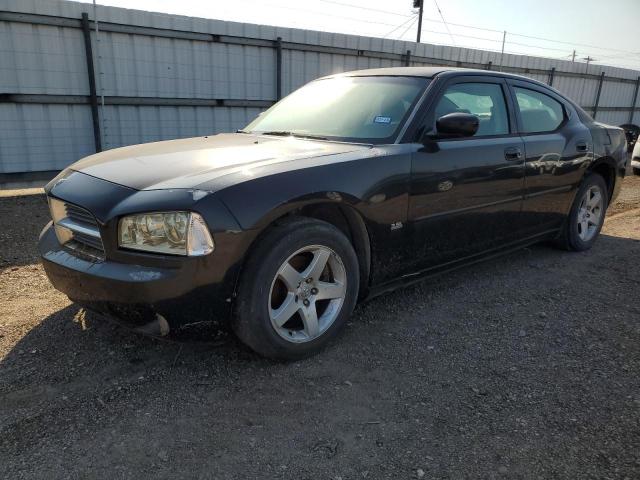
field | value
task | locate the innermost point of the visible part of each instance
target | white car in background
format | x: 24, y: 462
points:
x: 635, y: 159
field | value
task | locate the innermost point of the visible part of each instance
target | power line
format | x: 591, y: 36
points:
x: 574, y: 44
x: 465, y: 36
x: 536, y: 46
x: 532, y: 37
x: 388, y: 12
x: 509, y: 52
x: 619, y: 55
x: 444, y: 21
x: 413, y: 21
x: 399, y: 26
x: 316, y: 12
x: 465, y: 26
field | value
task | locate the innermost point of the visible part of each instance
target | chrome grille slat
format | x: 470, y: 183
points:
x: 83, y: 233
x: 79, y: 215
x: 88, y: 240
x: 83, y: 228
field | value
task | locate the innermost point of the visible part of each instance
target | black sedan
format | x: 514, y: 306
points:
x: 353, y: 185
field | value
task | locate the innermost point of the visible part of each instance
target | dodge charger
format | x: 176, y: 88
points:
x: 351, y: 186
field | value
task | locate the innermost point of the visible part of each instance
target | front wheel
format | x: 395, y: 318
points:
x: 587, y: 215
x: 297, y: 290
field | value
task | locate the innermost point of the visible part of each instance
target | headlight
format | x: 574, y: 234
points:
x: 173, y: 233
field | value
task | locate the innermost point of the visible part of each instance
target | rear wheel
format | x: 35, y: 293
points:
x: 298, y: 288
x: 587, y: 215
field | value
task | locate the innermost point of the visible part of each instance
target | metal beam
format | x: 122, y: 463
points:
x: 279, y: 68
x: 611, y: 109
x: 132, y: 101
x: 595, y: 107
x: 93, y: 96
x: 178, y: 102
x: 635, y: 99
x: 22, y: 177
x: 552, y: 74
x: 407, y: 58
x: 35, y: 19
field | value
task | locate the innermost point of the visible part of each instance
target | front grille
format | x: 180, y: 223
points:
x: 80, y: 215
x: 77, y: 229
x: 88, y: 240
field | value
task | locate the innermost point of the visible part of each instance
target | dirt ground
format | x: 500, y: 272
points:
x: 527, y: 366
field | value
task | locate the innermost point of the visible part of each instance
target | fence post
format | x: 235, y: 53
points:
x: 93, y: 97
x: 635, y: 99
x: 595, y: 107
x: 407, y: 58
x: 552, y: 73
x: 278, y: 68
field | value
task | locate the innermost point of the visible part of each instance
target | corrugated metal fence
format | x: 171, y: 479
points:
x: 158, y: 76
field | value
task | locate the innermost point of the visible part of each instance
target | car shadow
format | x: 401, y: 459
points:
x: 76, y: 336
x: 77, y: 350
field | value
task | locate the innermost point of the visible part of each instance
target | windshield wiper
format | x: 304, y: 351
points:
x: 311, y: 137
x: 285, y: 133
x: 279, y: 133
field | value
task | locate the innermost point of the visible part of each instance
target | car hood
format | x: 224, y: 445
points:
x: 192, y: 162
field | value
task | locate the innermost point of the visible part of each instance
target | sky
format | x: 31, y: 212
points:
x: 607, y: 31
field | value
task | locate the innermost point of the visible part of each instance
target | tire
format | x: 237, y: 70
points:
x: 270, y: 291
x: 636, y: 171
x: 574, y: 236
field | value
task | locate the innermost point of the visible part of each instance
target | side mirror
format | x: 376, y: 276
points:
x: 456, y: 125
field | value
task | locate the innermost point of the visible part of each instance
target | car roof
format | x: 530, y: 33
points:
x: 427, y: 72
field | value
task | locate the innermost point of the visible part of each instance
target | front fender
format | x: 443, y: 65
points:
x: 377, y: 187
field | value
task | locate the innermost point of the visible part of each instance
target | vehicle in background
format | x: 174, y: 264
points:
x: 632, y: 132
x: 351, y: 186
x: 635, y: 159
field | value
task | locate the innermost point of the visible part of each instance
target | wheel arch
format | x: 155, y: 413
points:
x: 606, y: 168
x: 350, y: 222
x: 337, y: 212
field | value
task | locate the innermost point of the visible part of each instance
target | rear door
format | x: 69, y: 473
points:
x: 466, y: 193
x: 557, y: 146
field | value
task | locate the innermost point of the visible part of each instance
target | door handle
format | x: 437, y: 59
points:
x: 512, y: 153
x: 582, y: 146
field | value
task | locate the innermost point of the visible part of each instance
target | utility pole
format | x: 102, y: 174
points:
x: 586, y: 72
x: 573, y: 56
x: 419, y: 4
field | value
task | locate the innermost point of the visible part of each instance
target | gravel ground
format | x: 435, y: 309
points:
x: 524, y: 367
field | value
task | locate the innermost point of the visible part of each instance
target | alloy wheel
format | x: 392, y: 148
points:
x: 307, y: 293
x: 590, y: 213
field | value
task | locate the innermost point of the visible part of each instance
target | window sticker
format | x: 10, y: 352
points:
x: 381, y: 119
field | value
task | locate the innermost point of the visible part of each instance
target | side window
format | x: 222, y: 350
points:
x: 539, y: 112
x: 484, y: 100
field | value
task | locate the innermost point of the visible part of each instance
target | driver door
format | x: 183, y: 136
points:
x: 466, y: 194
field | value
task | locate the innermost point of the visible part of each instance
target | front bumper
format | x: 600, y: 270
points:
x: 152, y: 300
x: 635, y: 164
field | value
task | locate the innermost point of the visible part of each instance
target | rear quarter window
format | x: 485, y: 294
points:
x: 538, y: 112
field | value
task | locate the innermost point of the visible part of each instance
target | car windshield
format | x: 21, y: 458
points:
x: 358, y: 109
